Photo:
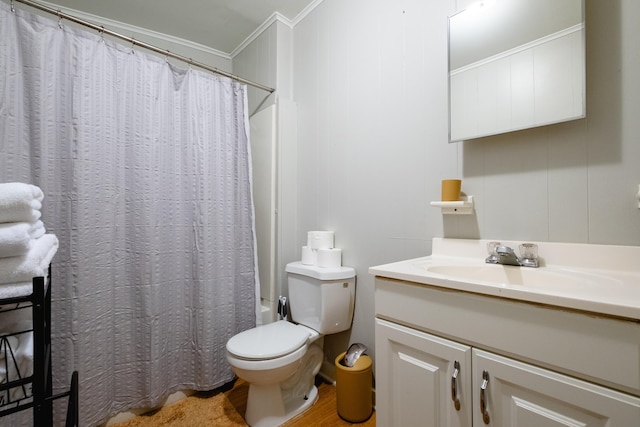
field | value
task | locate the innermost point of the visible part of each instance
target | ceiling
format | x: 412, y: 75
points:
x: 219, y: 24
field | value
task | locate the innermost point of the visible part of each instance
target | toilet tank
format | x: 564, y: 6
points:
x: 322, y: 298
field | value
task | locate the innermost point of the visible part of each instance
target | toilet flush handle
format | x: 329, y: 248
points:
x: 283, y: 310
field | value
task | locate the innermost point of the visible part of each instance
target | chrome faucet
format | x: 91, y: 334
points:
x: 507, y: 256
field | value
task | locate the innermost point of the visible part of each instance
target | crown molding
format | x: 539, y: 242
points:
x: 121, y: 26
x: 304, y: 12
x: 275, y: 17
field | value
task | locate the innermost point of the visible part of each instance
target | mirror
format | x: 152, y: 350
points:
x: 515, y: 64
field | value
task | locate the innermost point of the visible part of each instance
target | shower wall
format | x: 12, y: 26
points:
x: 274, y: 158
x: 263, y: 153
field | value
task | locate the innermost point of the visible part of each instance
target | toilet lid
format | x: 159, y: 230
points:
x: 268, y: 341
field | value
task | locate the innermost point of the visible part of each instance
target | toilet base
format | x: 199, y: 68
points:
x: 270, y: 405
x: 267, y: 408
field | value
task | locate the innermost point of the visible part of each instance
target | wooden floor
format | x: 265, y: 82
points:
x: 324, y: 412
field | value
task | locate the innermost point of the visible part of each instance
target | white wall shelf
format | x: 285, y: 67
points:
x: 464, y: 206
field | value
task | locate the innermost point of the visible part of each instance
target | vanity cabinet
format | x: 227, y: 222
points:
x: 447, y: 358
x: 421, y: 379
x: 518, y: 394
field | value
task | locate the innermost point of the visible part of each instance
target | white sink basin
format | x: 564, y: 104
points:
x: 511, y: 275
x: 595, y: 278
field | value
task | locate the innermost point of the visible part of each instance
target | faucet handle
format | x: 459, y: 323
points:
x: 491, y: 250
x: 529, y: 254
x: 529, y: 250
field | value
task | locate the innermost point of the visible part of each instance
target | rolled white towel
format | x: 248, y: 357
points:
x: 32, y: 264
x: 20, y: 202
x: 37, y: 230
x: 13, y: 290
x: 15, y: 238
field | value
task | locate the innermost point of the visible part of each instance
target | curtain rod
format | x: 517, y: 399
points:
x: 133, y: 41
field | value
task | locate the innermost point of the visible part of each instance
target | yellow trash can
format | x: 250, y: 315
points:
x: 354, y: 386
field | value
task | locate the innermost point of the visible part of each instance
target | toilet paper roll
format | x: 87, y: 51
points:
x: 309, y: 256
x: 320, y: 239
x: 330, y: 257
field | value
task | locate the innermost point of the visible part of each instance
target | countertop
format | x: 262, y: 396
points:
x: 601, y: 279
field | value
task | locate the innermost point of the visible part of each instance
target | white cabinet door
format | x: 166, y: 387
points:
x: 522, y: 395
x: 414, y: 384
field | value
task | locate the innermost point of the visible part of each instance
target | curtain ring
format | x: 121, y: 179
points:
x: 13, y: 8
x: 166, y: 57
x: 133, y: 45
x: 59, y: 19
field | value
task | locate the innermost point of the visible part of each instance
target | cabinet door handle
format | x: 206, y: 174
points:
x: 483, y: 397
x: 454, y: 385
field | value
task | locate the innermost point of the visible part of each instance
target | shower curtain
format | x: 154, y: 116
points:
x: 146, y: 173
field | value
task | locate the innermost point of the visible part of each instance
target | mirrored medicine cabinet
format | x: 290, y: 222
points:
x: 515, y: 64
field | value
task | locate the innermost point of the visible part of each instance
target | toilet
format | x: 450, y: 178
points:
x: 280, y: 360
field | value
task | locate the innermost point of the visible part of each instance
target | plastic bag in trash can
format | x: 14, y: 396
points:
x: 353, y: 353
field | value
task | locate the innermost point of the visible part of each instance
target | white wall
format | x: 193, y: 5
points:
x: 370, y: 84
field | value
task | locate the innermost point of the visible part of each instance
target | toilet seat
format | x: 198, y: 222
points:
x: 268, y: 341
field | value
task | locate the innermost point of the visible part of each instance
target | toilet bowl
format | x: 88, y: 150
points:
x: 288, y: 353
x: 280, y: 360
